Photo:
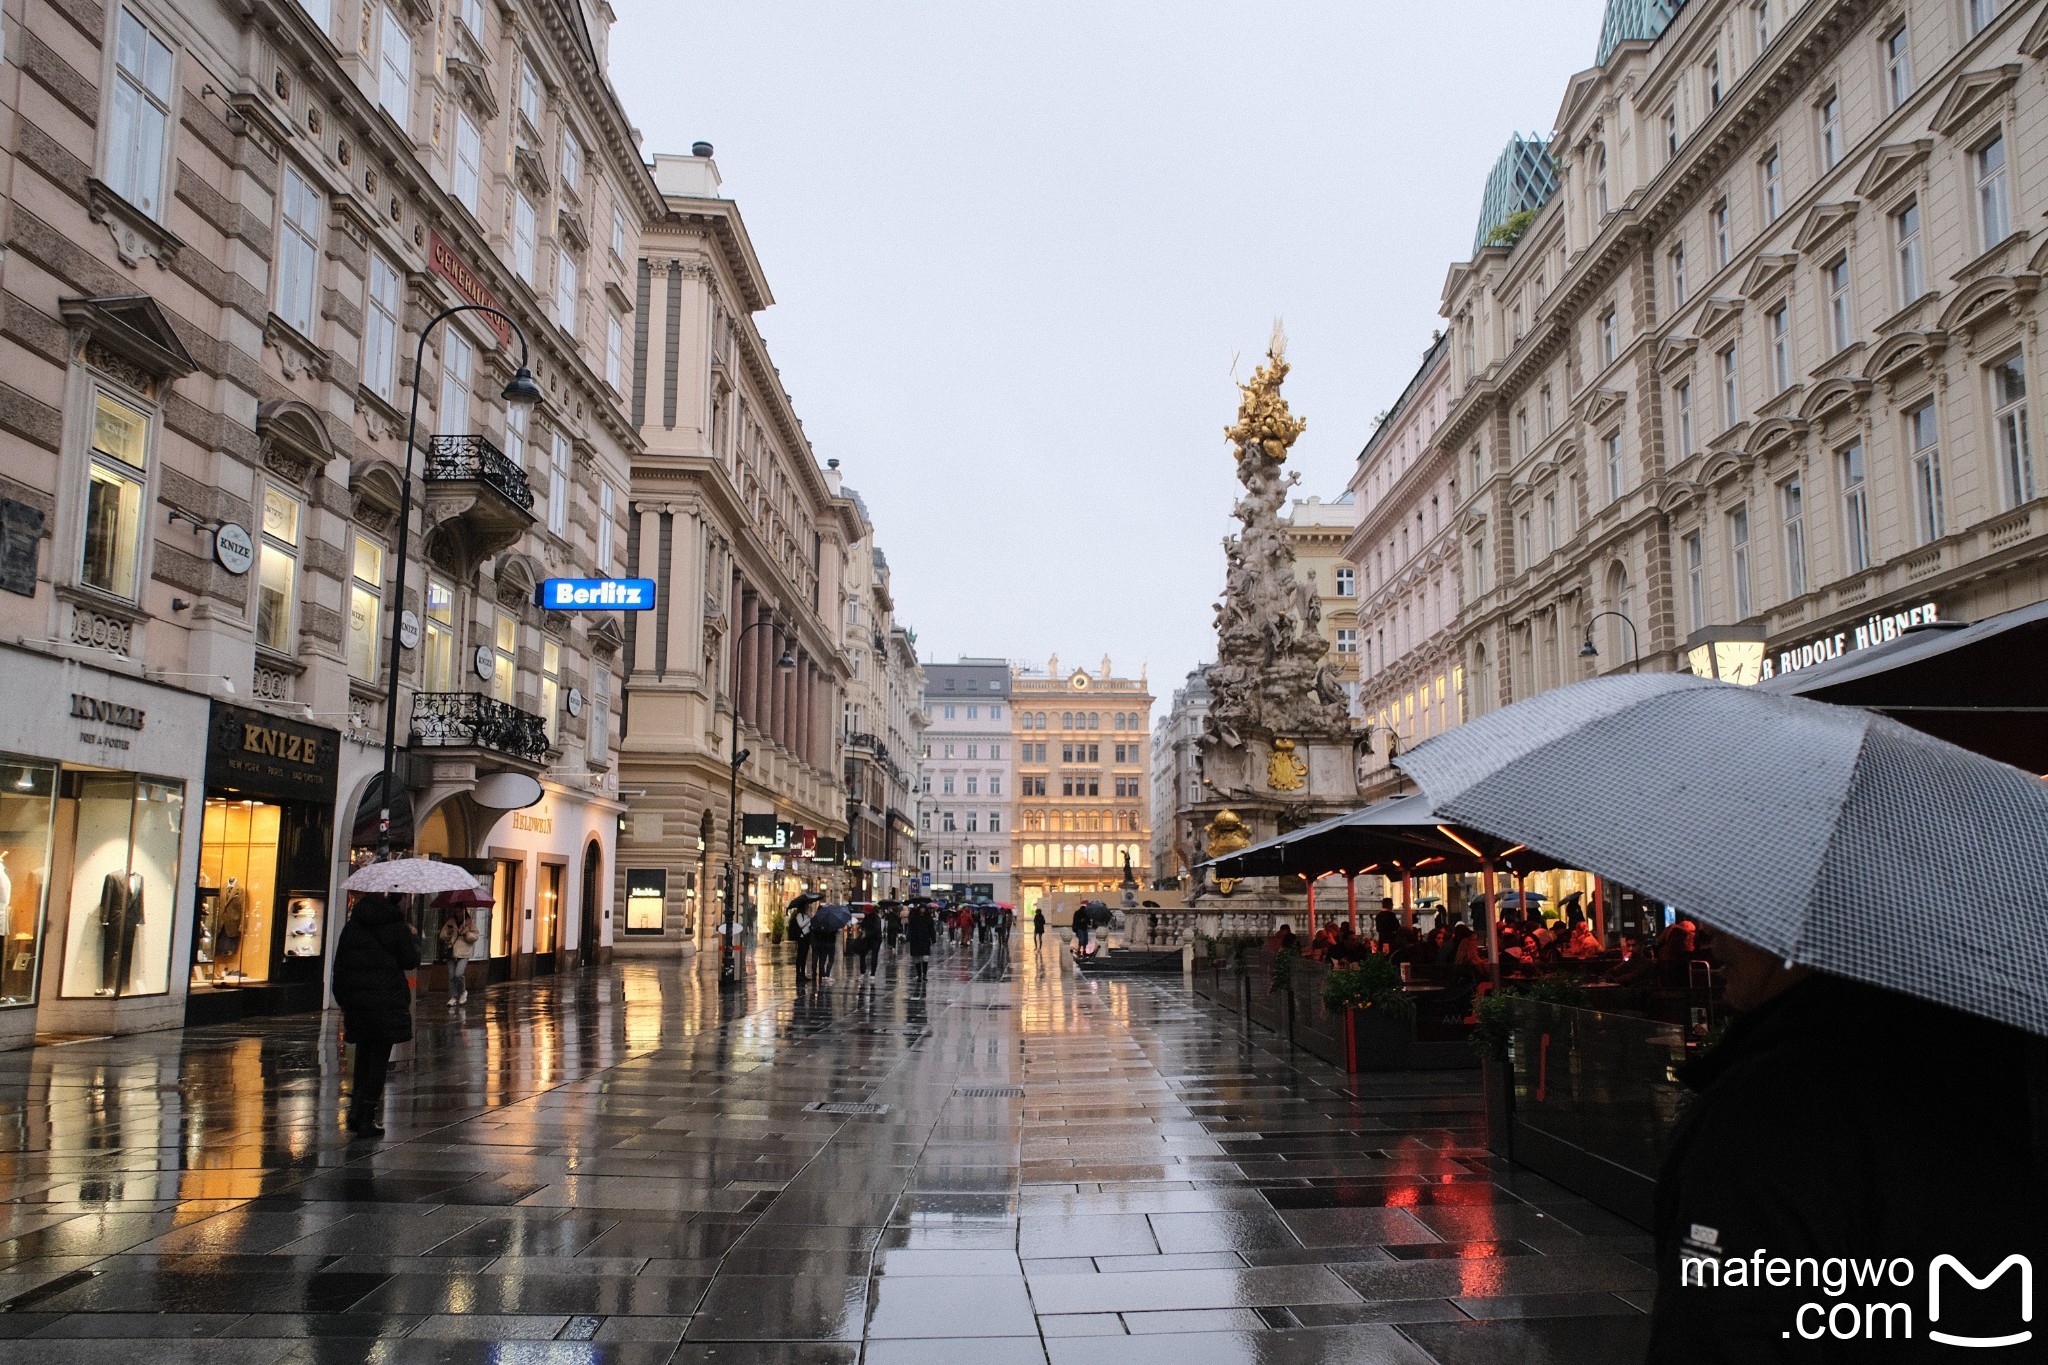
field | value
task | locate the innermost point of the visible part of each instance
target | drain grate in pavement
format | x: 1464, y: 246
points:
x: 991, y: 1092
x: 844, y: 1107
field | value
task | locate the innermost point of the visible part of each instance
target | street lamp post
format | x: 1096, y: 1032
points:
x: 728, y: 946
x: 1586, y: 650
x: 521, y: 390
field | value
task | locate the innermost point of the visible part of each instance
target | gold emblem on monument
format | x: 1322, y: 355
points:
x: 1227, y: 834
x: 1285, y: 769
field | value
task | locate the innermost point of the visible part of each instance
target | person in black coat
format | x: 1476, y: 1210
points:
x: 1838, y: 1126
x: 375, y: 951
x: 921, y: 929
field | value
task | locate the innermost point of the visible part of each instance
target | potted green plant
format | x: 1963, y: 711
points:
x: 1379, y: 1017
x: 777, y: 922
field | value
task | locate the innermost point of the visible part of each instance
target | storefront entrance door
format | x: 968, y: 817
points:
x: 586, y: 941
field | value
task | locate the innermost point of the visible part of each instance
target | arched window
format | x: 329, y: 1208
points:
x: 1094, y: 720
x: 1482, y: 669
x: 1116, y: 722
x: 1066, y: 720
x: 1041, y: 720
x: 1600, y: 180
x: 1619, y: 647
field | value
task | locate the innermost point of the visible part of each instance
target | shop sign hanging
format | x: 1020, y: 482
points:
x: 1878, y: 629
x: 266, y: 756
x: 758, y: 831
x: 233, y: 549
x: 595, y: 594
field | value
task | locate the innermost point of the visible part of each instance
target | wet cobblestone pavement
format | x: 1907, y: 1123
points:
x: 622, y: 1166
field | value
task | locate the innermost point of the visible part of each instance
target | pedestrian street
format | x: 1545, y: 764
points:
x: 1015, y: 1164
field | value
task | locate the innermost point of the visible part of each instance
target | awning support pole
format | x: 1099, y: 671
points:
x: 1492, y: 921
x: 1351, y: 898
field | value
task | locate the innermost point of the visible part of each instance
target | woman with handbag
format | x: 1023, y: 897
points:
x: 458, y: 941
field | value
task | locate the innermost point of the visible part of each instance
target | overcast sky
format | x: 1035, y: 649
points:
x: 1016, y: 248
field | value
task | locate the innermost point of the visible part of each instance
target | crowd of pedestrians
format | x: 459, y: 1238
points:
x: 867, y: 931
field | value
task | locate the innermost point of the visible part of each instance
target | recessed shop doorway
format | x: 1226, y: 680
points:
x: 587, y: 940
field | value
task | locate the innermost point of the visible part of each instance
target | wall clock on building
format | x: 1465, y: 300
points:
x: 486, y: 662
x: 1079, y: 681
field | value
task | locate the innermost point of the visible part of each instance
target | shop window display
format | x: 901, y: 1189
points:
x: 28, y: 794
x: 237, y: 892
x: 548, y: 908
x: 504, y: 909
x: 127, y: 832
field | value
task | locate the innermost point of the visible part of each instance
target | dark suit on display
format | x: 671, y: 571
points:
x: 120, y: 916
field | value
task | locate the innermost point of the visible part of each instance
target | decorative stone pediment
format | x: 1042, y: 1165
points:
x: 2035, y: 43
x: 1823, y: 222
x: 1675, y: 351
x: 621, y: 301
x: 373, y: 484
x: 1988, y: 300
x: 569, y: 227
x: 529, y: 170
x: 517, y: 577
x: 1969, y: 93
x: 473, y: 88
x: 137, y: 236
x: 295, y: 441
x: 296, y: 353
x: 1890, y: 164
x: 1775, y: 435
x: 128, y: 336
x: 1678, y: 495
x: 1602, y: 404
x: 1735, y: 438
x: 605, y: 635
x: 1833, y: 397
x: 1766, y: 271
x: 1896, y: 355
x: 1719, y: 313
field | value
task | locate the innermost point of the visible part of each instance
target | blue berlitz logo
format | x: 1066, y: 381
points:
x: 595, y: 594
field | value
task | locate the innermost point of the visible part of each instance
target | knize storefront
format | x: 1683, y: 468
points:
x: 261, y: 906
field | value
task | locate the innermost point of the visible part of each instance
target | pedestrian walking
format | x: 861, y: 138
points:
x: 375, y: 951
x: 824, y: 948
x: 799, y: 926
x: 920, y: 930
x: 1038, y: 930
x: 458, y: 942
x: 868, y: 942
x: 892, y: 924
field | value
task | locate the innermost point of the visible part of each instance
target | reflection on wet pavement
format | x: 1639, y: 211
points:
x: 622, y: 1165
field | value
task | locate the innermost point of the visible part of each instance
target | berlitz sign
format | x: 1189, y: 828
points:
x: 595, y: 594
x: 1876, y: 630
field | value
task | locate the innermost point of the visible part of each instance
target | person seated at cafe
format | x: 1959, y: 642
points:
x: 1346, y: 945
x: 1676, y: 952
x: 1320, y: 943
x: 1410, y: 947
x: 1467, y: 966
x: 1282, y: 940
x: 1581, y: 944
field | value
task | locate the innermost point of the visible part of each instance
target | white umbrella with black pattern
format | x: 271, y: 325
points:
x: 1831, y: 836
x: 410, y: 877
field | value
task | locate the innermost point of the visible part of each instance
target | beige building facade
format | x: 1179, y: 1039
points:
x: 1084, y: 774
x: 748, y: 540
x: 882, y: 725
x: 1318, y: 531
x: 1404, y: 553
x: 1759, y: 371
x: 226, y: 229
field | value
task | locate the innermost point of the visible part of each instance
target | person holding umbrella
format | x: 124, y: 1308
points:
x: 1881, y: 1098
x: 799, y: 924
x: 921, y: 929
x: 375, y: 951
x: 825, y: 927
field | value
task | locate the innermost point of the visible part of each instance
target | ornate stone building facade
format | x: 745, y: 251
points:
x: 967, y: 780
x: 1404, y: 553
x: 1083, y: 787
x: 1318, y: 531
x: 1759, y: 371
x: 882, y: 727
x: 226, y: 228
x: 748, y: 540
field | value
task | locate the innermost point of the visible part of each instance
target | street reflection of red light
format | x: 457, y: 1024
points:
x: 1404, y: 1197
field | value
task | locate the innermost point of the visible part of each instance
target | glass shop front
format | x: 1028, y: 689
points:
x: 265, y: 866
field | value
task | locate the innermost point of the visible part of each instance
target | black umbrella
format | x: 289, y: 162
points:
x: 832, y: 918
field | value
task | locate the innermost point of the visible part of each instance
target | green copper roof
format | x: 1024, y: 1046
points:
x: 1629, y: 20
x: 1523, y: 178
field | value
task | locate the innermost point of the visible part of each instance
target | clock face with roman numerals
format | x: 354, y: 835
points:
x: 1080, y: 682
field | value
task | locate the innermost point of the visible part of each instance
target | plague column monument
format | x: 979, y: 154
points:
x: 1277, y: 746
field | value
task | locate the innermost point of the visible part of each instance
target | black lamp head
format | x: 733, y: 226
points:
x: 787, y: 663
x: 741, y: 757
x: 1586, y: 650
x: 522, y: 389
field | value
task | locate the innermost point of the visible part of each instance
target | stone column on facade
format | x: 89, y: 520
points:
x: 733, y: 621
x: 770, y: 644
x: 745, y: 699
x: 803, y: 713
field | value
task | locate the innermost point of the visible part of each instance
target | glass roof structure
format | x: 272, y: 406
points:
x: 1629, y: 20
x: 1523, y: 178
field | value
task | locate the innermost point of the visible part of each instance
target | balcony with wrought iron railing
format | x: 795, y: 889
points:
x: 470, y: 720
x: 458, y: 458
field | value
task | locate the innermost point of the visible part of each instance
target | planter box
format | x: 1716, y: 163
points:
x: 1497, y: 1083
x: 1378, y: 1042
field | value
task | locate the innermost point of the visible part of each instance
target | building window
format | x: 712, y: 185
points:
x: 1830, y: 130
x: 1731, y: 409
x: 606, y: 514
x: 615, y: 352
x: 572, y: 162
x: 619, y: 232
x: 1678, y: 277
x: 1347, y: 640
x: 599, y: 745
x: 114, y: 495
x: 995, y: 788
x: 973, y: 816
x: 1600, y: 181
x: 471, y: 12
x: 2015, y: 447
x: 1780, y: 324
x: 949, y: 715
x: 1982, y: 12
x: 525, y: 237
x: 529, y: 92
x: 560, y: 455
x: 1773, y: 185
x: 973, y: 856
x: 515, y: 434
x: 1695, y: 580
x: 1670, y: 133
x: 394, y: 70
x: 1612, y: 446
x: 973, y: 713
x: 946, y: 860
x: 1923, y: 438
x: 1712, y: 76
x: 380, y: 338
x: 994, y: 713
x: 1681, y: 406
x: 277, y: 571
x: 1762, y: 15
x: 457, y: 355
x: 947, y: 822
x: 1855, y: 508
x: 505, y: 658
x: 1347, y: 583
x: 1792, y: 511
x: 1898, y: 67
x: 565, y: 291
x: 1481, y: 571
x: 365, y: 590
x: 1906, y: 236
x: 1738, y: 544
x: 551, y: 690
x: 298, y: 251
x: 139, y: 125
x: 1718, y: 223
x: 1525, y: 547
x: 1841, y: 324
x: 469, y: 161
x: 437, y: 653
x: 1550, y: 523
x: 1994, y: 202
x: 1549, y: 423
x: 1607, y: 337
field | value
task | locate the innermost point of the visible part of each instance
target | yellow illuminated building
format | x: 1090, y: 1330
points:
x: 1083, y: 765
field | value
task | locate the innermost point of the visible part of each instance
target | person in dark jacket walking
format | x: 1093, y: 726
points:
x: 375, y: 951
x: 1839, y: 1127
x: 824, y: 950
x: 867, y: 942
x: 1038, y: 931
x: 921, y: 929
x: 799, y: 925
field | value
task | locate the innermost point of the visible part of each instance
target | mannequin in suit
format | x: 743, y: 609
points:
x: 229, y: 908
x: 120, y: 915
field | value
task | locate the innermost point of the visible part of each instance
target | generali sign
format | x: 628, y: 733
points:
x: 1876, y: 630
x: 444, y: 260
